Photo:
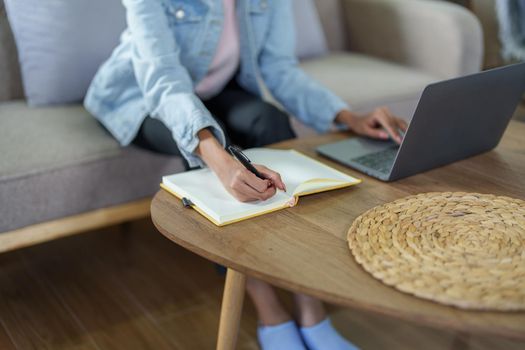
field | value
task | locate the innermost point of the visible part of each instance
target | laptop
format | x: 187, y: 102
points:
x: 454, y: 119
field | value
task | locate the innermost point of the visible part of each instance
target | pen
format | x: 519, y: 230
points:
x: 241, y: 157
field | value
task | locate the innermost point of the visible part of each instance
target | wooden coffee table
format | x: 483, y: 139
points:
x: 304, y: 249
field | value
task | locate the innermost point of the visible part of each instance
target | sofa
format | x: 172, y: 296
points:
x: 61, y: 173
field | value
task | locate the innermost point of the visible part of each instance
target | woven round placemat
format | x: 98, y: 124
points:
x: 461, y: 249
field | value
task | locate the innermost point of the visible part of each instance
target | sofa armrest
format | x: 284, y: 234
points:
x: 438, y: 37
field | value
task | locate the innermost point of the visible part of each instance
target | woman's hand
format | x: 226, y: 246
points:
x: 379, y: 124
x: 244, y: 185
x: 238, y: 181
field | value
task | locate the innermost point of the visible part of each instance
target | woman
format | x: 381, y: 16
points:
x: 184, y: 81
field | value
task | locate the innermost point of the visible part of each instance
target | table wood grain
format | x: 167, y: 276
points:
x: 304, y: 249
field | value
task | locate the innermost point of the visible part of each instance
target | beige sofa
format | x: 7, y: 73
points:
x: 485, y: 10
x: 385, y: 51
x: 60, y: 172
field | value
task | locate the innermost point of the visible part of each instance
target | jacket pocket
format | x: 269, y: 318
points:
x: 185, y: 11
x: 186, y: 19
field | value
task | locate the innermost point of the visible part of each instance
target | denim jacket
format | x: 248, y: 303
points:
x: 167, y: 49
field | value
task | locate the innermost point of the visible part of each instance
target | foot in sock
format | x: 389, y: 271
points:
x: 323, y: 336
x: 284, y: 336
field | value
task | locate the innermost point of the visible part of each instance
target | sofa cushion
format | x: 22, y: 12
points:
x: 366, y: 82
x: 310, y: 39
x: 59, y: 161
x: 331, y: 14
x: 61, y: 44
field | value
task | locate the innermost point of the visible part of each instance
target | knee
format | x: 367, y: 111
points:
x: 272, y: 125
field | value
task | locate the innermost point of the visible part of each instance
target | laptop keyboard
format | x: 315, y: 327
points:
x: 381, y: 161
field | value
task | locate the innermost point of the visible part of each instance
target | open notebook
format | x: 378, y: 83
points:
x: 302, y: 175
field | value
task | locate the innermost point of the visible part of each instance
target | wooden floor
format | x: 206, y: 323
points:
x: 128, y: 288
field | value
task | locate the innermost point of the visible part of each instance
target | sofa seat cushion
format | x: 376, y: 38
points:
x: 366, y: 82
x: 59, y: 161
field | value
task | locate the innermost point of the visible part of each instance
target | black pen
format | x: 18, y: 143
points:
x: 241, y: 157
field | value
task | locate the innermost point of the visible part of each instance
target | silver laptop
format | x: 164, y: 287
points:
x: 454, y: 119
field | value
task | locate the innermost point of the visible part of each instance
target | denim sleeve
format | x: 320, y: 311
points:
x: 165, y: 83
x: 302, y: 96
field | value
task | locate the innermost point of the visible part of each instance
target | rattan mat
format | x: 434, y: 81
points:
x: 461, y: 249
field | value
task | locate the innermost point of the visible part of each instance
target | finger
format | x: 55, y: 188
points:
x: 245, y: 193
x: 239, y: 192
x: 254, y: 182
x: 402, y: 124
x: 272, y: 175
x: 390, y: 125
x: 269, y: 193
x: 251, y: 193
x: 375, y: 133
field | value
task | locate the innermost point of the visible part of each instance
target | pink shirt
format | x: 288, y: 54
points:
x: 227, y: 56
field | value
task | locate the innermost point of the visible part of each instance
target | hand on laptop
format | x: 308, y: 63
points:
x: 379, y: 124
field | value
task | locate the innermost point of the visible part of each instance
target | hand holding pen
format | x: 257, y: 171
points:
x: 240, y: 182
x: 271, y: 178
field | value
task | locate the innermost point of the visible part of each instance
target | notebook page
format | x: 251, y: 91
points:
x: 206, y: 191
x: 299, y: 172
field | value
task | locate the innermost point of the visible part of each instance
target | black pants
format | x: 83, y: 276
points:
x: 246, y: 120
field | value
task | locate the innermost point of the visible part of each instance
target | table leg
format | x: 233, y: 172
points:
x: 231, y: 310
